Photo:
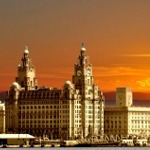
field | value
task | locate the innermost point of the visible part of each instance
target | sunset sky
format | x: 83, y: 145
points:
x: 116, y: 33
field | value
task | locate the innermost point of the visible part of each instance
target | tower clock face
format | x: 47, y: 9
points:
x: 79, y: 73
x: 88, y: 72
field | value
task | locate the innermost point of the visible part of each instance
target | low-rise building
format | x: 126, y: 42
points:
x: 124, y: 119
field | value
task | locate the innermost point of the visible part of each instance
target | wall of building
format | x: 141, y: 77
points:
x: 2, y: 117
x: 75, y: 111
x: 124, y: 119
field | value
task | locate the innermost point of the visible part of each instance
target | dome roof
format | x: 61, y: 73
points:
x: 26, y: 51
x: 15, y: 85
x: 83, y: 49
x: 68, y: 82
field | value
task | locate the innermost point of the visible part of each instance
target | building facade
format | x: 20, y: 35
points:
x: 2, y: 117
x: 75, y: 111
x: 124, y: 119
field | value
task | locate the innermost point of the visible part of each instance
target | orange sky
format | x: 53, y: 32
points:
x: 116, y: 33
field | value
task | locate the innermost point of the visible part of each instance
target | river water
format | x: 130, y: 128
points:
x: 82, y: 148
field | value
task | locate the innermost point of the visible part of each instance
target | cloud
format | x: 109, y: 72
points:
x: 135, y: 55
x: 119, y: 71
x: 54, y: 76
x: 108, y: 78
x: 145, y: 83
x: 57, y: 73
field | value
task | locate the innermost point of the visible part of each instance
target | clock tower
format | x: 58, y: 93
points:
x: 91, y: 98
x: 83, y: 76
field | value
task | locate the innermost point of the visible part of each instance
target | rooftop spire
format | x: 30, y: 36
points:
x: 83, y: 46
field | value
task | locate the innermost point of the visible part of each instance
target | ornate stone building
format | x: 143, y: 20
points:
x: 26, y: 72
x: 75, y: 111
x: 2, y: 117
x: 124, y: 119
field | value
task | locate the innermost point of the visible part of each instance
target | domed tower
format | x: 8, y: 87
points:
x: 26, y: 72
x: 92, y: 99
